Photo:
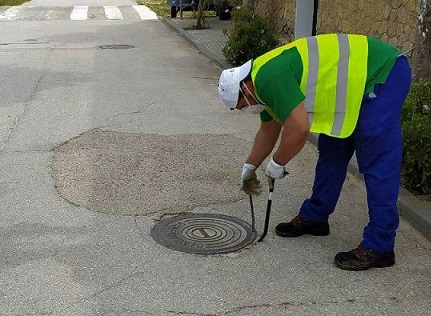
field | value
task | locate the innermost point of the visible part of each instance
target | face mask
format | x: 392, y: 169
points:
x: 252, y: 108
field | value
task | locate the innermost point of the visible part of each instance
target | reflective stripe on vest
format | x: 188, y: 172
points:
x: 333, y: 79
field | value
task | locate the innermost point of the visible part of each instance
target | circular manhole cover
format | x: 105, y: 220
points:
x: 203, y: 233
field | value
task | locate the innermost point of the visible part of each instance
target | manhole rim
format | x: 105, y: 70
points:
x: 249, y: 239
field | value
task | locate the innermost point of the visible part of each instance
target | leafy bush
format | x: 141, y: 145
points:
x: 251, y: 36
x: 416, y: 125
x: 12, y: 2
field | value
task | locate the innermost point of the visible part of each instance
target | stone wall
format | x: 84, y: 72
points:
x: 391, y: 21
x: 405, y: 24
x: 281, y: 13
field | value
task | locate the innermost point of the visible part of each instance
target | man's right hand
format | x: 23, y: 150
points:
x: 249, y: 182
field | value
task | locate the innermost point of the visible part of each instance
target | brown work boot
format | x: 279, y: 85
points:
x: 297, y: 227
x: 362, y: 258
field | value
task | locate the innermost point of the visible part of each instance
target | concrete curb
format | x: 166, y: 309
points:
x: 415, y: 211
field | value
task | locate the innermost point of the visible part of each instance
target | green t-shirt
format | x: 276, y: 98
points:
x: 277, y: 82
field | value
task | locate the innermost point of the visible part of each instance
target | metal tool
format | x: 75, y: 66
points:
x: 268, y: 208
x: 253, y: 220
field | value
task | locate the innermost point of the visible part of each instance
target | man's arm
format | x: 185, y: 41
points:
x: 293, y: 136
x: 264, y: 142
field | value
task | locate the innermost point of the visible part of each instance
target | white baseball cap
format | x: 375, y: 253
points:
x: 228, y: 87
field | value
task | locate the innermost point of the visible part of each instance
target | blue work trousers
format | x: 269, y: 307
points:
x: 378, y: 145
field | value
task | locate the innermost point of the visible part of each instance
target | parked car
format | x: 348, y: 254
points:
x: 191, y: 5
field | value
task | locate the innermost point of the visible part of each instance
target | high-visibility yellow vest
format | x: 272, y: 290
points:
x: 333, y: 79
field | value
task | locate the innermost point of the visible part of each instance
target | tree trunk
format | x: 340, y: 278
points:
x: 422, y: 53
x: 200, y: 20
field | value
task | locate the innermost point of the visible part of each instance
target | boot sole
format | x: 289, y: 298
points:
x: 380, y: 264
x: 313, y: 233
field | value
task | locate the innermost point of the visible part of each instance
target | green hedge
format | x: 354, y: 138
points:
x: 416, y: 126
x: 251, y: 36
x: 12, y: 2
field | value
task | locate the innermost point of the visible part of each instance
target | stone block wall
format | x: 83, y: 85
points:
x: 405, y: 24
x: 281, y: 13
x: 391, y: 21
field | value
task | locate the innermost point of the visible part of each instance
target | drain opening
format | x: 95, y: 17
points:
x: 203, y: 233
x: 116, y: 46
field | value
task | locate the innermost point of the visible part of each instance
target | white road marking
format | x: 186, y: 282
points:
x: 113, y: 13
x: 79, y: 13
x: 145, y: 13
x: 47, y: 15
x: 10, y: 14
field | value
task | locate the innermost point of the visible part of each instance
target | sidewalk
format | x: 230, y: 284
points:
x: 210, y: 42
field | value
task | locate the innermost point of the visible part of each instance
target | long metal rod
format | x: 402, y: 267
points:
x: 268, y: 209
x: 253, y: 220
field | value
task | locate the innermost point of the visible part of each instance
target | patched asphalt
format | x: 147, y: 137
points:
x: 141, y: 174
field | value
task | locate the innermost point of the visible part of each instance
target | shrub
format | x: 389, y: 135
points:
x: 251, y: 36
x: 416, y: 126
x: 12, y: 2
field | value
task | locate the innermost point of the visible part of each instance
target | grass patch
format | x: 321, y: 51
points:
x: 160, y: 7
x: 11, y: 3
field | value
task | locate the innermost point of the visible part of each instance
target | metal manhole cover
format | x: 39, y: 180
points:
x: 116, y: 46
x: 203, y: 233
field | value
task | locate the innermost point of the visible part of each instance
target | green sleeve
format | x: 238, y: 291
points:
x: 265, y: 116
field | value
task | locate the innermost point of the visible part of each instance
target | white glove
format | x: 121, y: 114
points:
x: 248, y: 172
x: 275, y: 171
x: 249, y: 182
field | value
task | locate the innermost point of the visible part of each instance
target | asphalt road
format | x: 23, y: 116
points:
x: 98, y: 144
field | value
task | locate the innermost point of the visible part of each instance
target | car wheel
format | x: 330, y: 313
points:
x: 173, y: 12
